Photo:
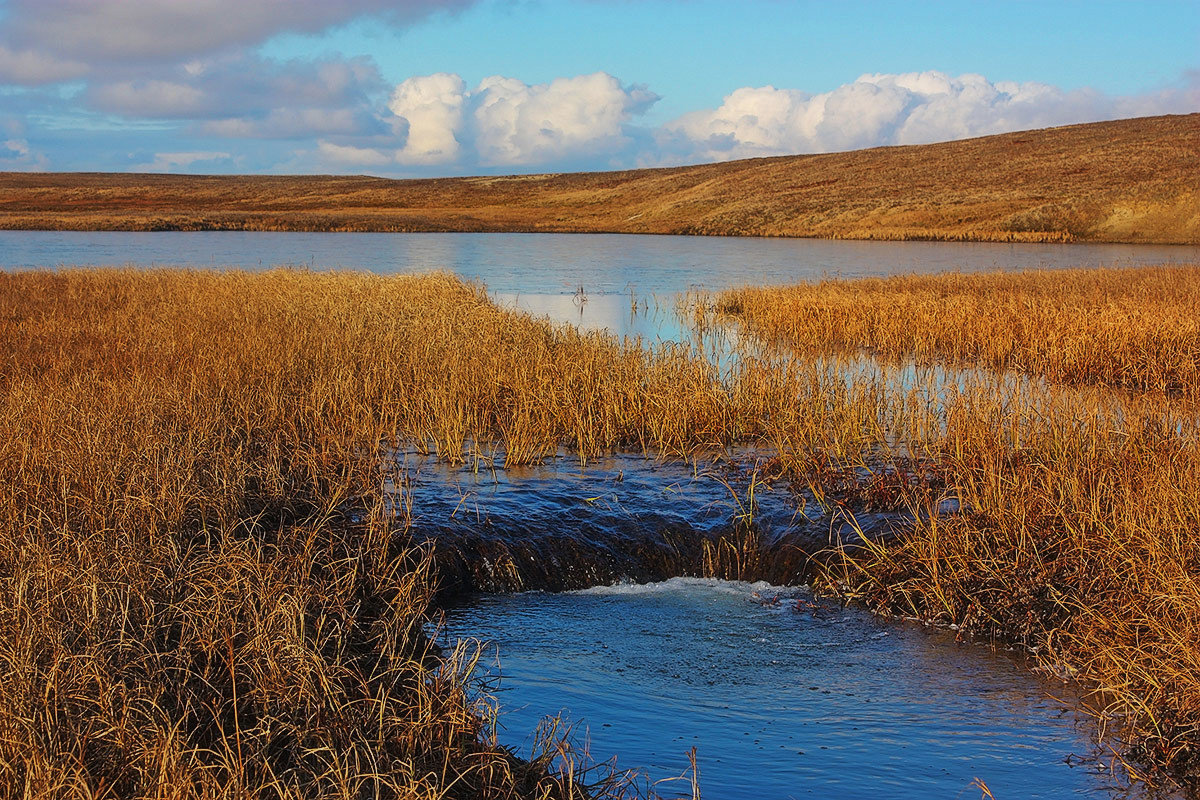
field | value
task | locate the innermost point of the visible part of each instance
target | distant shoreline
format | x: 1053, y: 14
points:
x: 1128, y: 181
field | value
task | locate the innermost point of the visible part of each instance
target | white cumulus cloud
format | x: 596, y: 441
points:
x: 343, y: 155
x: 16, y: 155
x: 432, y: 106
x: 502, y: 122
x: 516, y: 123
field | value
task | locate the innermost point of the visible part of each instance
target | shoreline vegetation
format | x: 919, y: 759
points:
x: 1124, y: 181
x: 211, y: 584
x: 1076, y: 483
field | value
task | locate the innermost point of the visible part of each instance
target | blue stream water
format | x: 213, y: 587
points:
x: 782, y: 697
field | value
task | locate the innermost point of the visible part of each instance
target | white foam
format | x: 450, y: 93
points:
x: 757, y: 591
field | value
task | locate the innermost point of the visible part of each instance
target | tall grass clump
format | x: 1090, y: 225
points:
x: 204, y: 590
x: 1074, y: 535
x: 208, y: 587
x: 1137, y: 328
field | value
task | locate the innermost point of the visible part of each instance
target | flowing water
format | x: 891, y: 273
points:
x: 561, y: 525
x: 782, y: 696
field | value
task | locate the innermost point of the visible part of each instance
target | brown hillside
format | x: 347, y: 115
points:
x: 1134, y: 180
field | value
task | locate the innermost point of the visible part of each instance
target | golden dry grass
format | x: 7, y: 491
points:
x: 207, y: 585
x: 1076, y: 539
x: 1129, y: 181
x: 1073, y: 524
x: 1136, y: 329
x: 205, y: 589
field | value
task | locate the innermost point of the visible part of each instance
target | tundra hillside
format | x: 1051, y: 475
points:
x: 1125, y: 181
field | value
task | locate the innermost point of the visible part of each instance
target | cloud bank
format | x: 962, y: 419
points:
x: 182, y: 85
x: 909, y: 108
x: 504, y: 122
x: 121, y: 32
x: 167, y: 81
x: 195, y: 63
x: 439, y: 126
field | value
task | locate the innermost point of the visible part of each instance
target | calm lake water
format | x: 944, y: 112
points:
x: 781, y: 699
x: 540, y: 273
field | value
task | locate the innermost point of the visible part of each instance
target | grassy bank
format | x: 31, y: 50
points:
x: 1136, y: 329
x: 1123, y: 181
x: 206, y: 588
x: 1073, y: 530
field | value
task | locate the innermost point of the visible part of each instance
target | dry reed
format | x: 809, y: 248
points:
x: 205, y: 589
x: 1060, y: 518
x: 1135, y: 328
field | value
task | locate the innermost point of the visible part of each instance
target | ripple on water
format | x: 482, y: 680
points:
x: 782, y: 696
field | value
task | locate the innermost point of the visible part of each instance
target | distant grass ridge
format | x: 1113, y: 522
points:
x: 1124, y: 181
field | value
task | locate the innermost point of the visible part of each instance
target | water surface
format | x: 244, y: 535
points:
x: 542, y: 273
x: 781, y: 699
x: 781, y: 696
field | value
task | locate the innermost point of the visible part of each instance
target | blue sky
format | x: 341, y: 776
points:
x: 444, y: 87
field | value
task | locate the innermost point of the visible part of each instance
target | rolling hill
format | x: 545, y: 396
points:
x: 1135, y: 180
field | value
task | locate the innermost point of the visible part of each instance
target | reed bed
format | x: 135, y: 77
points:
x: 1060, y: 518
x: 208, y: 586
x: 1136, y: 329
x: 204, y: 589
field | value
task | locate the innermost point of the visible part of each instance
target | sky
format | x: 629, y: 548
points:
x: 417, y: 88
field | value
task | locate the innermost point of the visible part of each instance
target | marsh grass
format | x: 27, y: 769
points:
x: 1060, y: 517
x: 1135, y: 329
x: 208, y: 586
x: 204, y: 589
